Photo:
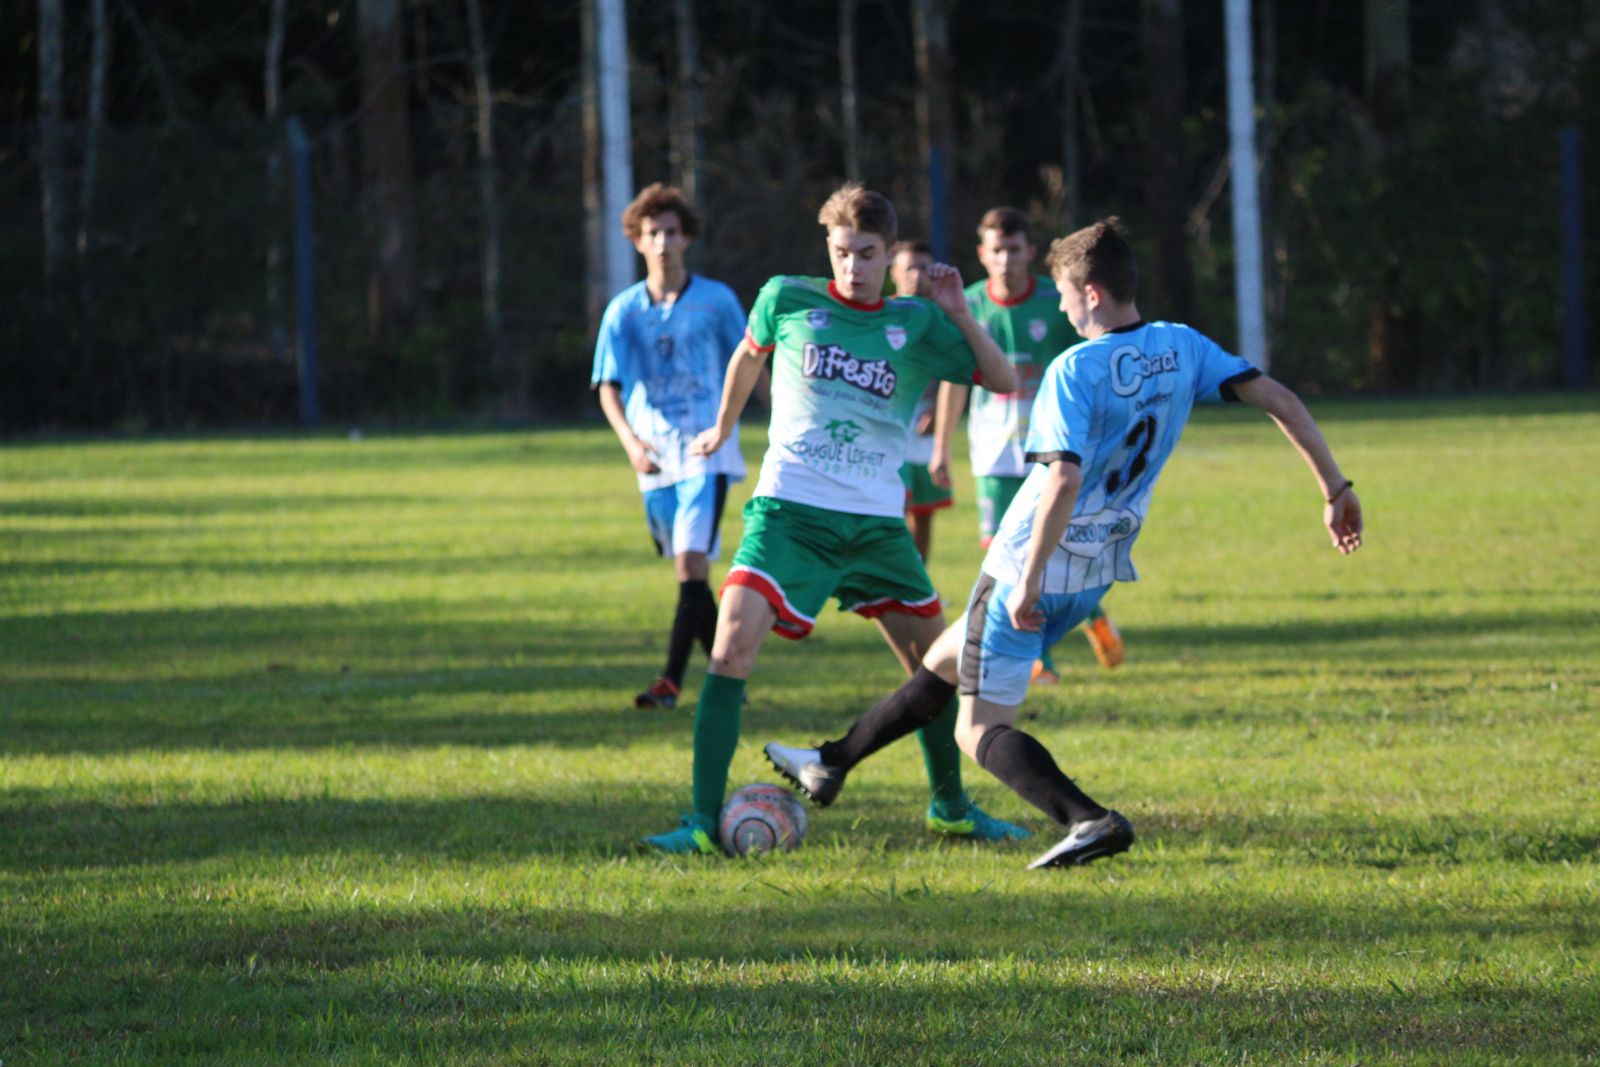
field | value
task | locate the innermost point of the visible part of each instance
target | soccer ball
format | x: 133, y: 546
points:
x: 762, y: 818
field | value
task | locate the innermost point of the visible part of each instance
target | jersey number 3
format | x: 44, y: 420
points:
x: 1131, y: 463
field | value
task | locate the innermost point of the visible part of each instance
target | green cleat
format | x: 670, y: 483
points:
x: 972, y: 821
x: 694, y: 834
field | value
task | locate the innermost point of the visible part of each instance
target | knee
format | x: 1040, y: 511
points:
x: 968, y: 734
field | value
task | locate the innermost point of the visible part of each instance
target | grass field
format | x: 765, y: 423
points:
x: 318, y: 750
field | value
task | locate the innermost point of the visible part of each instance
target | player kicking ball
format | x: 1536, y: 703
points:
x: 1109, y: 412
x: 1022, y: 313
x: 825, y: 519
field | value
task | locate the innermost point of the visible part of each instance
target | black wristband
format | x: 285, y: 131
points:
x: 1340, y: 492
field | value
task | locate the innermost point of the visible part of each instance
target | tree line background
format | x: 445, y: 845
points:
x: 1408, y: 164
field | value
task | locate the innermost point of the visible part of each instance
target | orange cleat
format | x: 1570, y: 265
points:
x: 1105, y: 639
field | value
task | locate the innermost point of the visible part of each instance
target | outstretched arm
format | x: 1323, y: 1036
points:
x: 744, y: 369
x: 1056, y: 500
x: 1341, y: 513
x: 999, y: 376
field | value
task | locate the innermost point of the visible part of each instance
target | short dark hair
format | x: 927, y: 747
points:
x: 1098, y: 254
x: 1008, y: 220
x: 856, y: 206
x: 916, y: 248
x: 652, y: 200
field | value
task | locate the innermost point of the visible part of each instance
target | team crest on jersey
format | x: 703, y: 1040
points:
x: 896, y: 336
x: 664, y: 347
x: 1037, y: 329
x: 818, y: 318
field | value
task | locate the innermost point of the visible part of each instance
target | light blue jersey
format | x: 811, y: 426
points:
x: 669, y: 361
x: 1118, y: 405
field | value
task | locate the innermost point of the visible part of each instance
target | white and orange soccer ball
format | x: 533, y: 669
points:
x: 762, y: 818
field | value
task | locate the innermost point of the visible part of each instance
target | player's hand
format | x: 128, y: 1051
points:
x: 945, y: 287
x: 939, y: 468
x: 706, y: 442
x: 1023, y: 606
x: 1343, y: 520
x: 642, y: 456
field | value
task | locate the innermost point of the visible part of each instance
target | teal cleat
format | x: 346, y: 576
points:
x: 694, y: 834
x: 972, y: 821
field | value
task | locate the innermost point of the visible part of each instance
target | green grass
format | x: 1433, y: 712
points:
x: 319, y: 750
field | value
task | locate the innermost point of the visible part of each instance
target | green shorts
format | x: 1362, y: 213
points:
x: 995, y: 492
x: 922, y: 495
x: 797, y: 556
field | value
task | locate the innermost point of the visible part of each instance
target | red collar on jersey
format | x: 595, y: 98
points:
x: 989, y: 288
x: 833, y: 291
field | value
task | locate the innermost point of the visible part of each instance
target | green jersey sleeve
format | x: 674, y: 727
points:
x: 763, y: 324
x: 942, y: 348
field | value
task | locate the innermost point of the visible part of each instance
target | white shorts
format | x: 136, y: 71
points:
x: 997, y: 658
x: 686, y: 516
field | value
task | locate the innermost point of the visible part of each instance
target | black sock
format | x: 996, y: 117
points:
x: 686, y: 625
x: 906, y: 710
x: 1022, y: 763
x: 708, y: 616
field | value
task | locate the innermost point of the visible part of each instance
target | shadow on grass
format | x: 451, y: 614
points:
x: 40, y: 833
x: 891, y: 978
x: 423, y: 673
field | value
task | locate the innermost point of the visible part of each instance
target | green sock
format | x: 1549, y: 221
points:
x: 1048, y: 660
x: 942, y: 756
x: 716, y: 736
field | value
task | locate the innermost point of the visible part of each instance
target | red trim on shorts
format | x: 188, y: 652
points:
x: 833, y: 291
x: 928, y: 509
x: 988, y: 288
x: 759, y: 348
x: 788, y: 623
x: 873, y: 609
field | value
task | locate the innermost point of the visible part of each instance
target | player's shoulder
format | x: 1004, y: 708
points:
x: 711, y: 291
x: 978, y: 290
x: 1044, y: 287
x: 1085, y: 362
x: 794, y: 290
x: 629, y: 299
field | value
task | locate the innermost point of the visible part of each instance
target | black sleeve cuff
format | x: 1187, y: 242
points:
x: 608, y: 381
x: 1226, y: 388
x: 1048, y: 458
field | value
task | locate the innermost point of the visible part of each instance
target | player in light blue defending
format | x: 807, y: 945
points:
x: 659, y: 364
x: 1109, y: 412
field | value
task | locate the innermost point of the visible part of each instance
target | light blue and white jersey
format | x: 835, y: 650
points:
x: 1117, y: 405
x: 668, y: 361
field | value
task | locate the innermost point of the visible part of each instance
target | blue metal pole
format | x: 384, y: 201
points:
x: 938, y: 236
x: 1574, y: 324
x: 305, y: 273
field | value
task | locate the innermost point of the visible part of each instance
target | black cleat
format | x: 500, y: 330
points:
x: 1089, y: 840
x: 804, y: 767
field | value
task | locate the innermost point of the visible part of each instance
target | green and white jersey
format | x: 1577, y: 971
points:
x: 846, y: 378
x: 1031, y: 331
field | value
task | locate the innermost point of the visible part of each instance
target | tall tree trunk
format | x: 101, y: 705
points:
x: 99, y: 60
x: 687, y: 151
x: 1071, y: 75
x: 930, y: 23
x: 52, y: 140
x: 849, y: 103
x: 594, y: 240
x: 1394, y: 359
x: 1166, y: 159
x: 510, y: 401
x: 272, y: 81
x: 386, y: 172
